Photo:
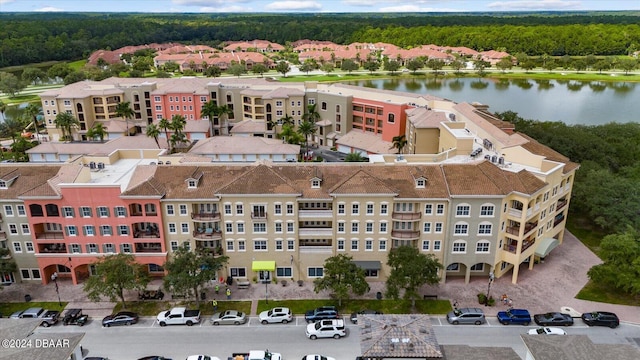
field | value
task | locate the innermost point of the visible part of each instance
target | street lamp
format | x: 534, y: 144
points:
x: 265, y: 278
x: 54, y: 278
x: 491, y: 278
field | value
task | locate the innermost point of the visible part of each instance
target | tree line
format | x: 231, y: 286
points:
x: 34, y: 38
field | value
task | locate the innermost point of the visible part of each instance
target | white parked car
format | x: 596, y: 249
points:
x: 547, y: 331
x: 202, y: 357
x: 316, y: 357
x: 276, y: 315
x: 326, y: 328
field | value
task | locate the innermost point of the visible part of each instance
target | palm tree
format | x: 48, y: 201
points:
x: 305, y: 129
x: 123, y: 110
x: 178, y: 122
x: 32, y: 111
x: 312, y: 114
x: 64, y: 121
x: 98, y: 130
x: 399, y: 142
x: 3, y: 108
x: 153, y: 131
x: 11, y: 128
x: 165, y: 125
x: 289, y: 135
x: 223, y: 112
x: 210, y: 110
x: 287, y: 120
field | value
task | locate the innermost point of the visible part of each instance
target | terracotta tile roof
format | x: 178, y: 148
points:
x: 144, y: 183
x: 283, y: 92
x: 537, y: 148
x: 367, y: 141
x: 262, y: 177
x: 398, y: 336
x: 362, y: 182
x: 485, y: 178
x: 26, y: 179
x: 423, y: 118
x: 242, y: 145
x: 505, y: 139
x: 249, y: 127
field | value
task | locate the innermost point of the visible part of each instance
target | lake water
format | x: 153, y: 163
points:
x: 569, y: 101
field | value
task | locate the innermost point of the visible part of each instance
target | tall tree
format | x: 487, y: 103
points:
x: 290, y: 135
x: 3, y: 108
x: 189, y: 271
x: 620, y: 269
x: 410, y: 270
x: 97, y: 131
x: 165, y: 125
x: 33, y: 75
x: 124, y: 110
x: 348, y: 65
x: 436, y: 65
x: 10, y: 84
x: 12, y: 128
x: 114, y: 275
x: 259, y: 69
x: 399, y: 142
x: 65, y: 121
x: 32, y: 111
x: 312, y: 115
x: 210, y: 109
x: 153, y: 132
x: 307, y: 128
x: 392, y: 66
x: 343, y: 277
x: 178, y: 122
x: 283, y: 68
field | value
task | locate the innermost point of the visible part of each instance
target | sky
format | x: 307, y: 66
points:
x: 313, y: 6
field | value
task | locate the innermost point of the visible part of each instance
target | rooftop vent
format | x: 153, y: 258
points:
x: 100, y: 166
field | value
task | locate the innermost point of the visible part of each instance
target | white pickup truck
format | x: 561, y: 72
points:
x: 48, y: 317
x: 256, y: 355
x: 179, y: 316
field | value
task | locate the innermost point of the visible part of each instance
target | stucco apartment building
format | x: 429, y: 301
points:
x: 467, y: 189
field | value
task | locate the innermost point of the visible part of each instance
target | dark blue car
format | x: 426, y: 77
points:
x: 514, y: 316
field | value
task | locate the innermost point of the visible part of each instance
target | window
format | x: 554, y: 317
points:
x: 103, y: 211
x: 383, y: 227
x: 260, y: 245
x: 440, y: 209
x: 438, y: 228
x: 75, y: 249
x: 17, y: 247
x: 453, y: 267
x: 484, y: 229
x: 29, y: 246
x: 184, y: 228
x: 278, y: 227
x: 384, y: 209
x: 89, y: 230
x: 260, y: 227
x: 369, y: 227
x: 315, y: 272
x: 341, y: 244
x: 355, y: 227
x: 240, y: 227
x: 72, y: 230
x: 239, y: 209
x: 8, y: 210
x: 13, y: 229
x: 482, y: 247
x: 121, y: 211
x: 284, y: 272
x: 229, y: 245
x: 487, y: 210
x: 21, y: 210
x: 428, y: 209
x: 290, y: 227
x: 290, y: 245
x: 172, y: 228
x: 369, y: 209
x: 477, y: 267
x: 437, y: 244
x: 426, y: 228
x: 279, y: 245
x: 354, y: 245
x: 92, y: 248
x: 156, y: 98
x: 183, y: 209
x: 85, y: 211
x: 461, y: 229
x: 420, y: 183
x: 238, y: 272
x: 67, y: 102
x: 105, y: 230
x: 340, y: 209
x: 315, y: 184
x: 370, y: 273
x: 123, y: 230
x: 25, y: 229
x: 289, y: 209
x: 463, y: 210
x: 227, y: 209
x: 341, y: 226
x: 170, y: 210
x: 191, y: 184
x: 368, y: 245
x: 459, y: 247
x: 278, y: 209
x: 425, y: 245
x: 382, y: 246
x: 228, y: 228
x: 355, y: 209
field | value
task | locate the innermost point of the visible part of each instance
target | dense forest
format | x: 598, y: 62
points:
x: 34, y: 37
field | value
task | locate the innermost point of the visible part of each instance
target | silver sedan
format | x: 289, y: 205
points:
x: 229, y: 317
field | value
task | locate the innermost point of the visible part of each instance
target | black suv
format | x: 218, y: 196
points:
x: 601, y: 318
x: 321, y: 313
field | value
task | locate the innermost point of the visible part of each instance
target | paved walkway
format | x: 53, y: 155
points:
x: 550, y: 286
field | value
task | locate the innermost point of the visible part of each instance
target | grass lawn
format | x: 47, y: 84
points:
x: 606, y: 294
x: 585, y: 230
x: 152, y: 308
x: 299, y: 307
x: 7, y: 309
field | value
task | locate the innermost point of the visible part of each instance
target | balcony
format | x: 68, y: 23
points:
x: 148, y: 247
x: 315, y: 213
x: 558, y: 219
x: 208, y: 234
x: 146, y: 234
x: 58, y: 248
x: 3, y: 235
x: 261, y: 215
x: 49, y: 235
x: 515, y: 230
x: 512, y: 246
x: 212, y: 248
x: 324, y: 232
x: 561, y: 204
x: 204, y: 216
x: 405, y: 234
x: 316, y: 249
x: 405, y: 216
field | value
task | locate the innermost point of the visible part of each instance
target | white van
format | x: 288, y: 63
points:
x: 326, y: 328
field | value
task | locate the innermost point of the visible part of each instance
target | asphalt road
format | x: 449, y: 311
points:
x: 178, y: 342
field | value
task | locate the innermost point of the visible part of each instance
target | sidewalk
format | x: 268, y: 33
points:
x: 548, y: 287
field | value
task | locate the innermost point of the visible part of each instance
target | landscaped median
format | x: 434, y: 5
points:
x: 299, y: 307
x: 153, y: 307
x: 6, y: 308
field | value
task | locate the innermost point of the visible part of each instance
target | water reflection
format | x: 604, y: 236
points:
x: 479, y: 85
x: 391, y: 84
x: 597, y: 86
x: 413, y: 85
x: 433, y: 84
x: 575, y: 85
x: 523, y: 83
x: 544, y: 84
x: 456, y: 85
x: 622, y: 88
x: 502, y: 84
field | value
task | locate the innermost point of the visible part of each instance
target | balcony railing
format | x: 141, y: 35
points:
x: 3, y: 235
x: 210, y: 234
x: 405, y: 215
x: 513, y: 247
x: 203, y: 216
x: 146, y: 234
x: 52, y: 249
x: 561, y: 204
x: 515, y: 230
x: 259, y: 215
x: 315, y: 231
x: 316, y: 249
x: 558, y: 220
x: 315, y: 213
x: 148, y: 248
x: 49, y: 235
x: 405, y: 234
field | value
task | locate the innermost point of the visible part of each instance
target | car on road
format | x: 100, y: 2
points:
x: 547, y: 331
x: 276, y: 315
x: 514, y: 316
x: 321, y: 313
x: 354, y: 316
x: 466, y: 316
x: 553, y: 319
x: 202, y: 357
x: 229, y: 317
x: 326, y: 329
x: 121, y: 318
x: 317, y: 357
x: 601, y: 318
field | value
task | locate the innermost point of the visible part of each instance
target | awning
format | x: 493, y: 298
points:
x: 545, y: 246
x: 263, y: 265
x: 368, y: 265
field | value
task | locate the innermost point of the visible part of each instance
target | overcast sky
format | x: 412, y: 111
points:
x: 213, y: 6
